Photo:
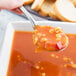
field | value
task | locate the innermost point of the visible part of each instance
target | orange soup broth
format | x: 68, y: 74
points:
x: 25, y: 61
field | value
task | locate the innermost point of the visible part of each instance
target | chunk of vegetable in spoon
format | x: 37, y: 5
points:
x: 49, y: 38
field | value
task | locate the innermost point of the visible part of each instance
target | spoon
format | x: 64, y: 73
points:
x: 28, y: 15
x: 33, y: 22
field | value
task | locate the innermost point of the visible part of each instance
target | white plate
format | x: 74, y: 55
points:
x: 25, y: 26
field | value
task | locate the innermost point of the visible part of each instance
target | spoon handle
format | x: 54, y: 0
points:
x: 28, y: 15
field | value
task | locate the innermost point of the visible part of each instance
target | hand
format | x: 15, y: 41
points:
x: 11, y: 4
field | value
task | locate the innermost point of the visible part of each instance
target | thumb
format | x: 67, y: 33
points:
x: 11, y: 4
x: 16, y: 3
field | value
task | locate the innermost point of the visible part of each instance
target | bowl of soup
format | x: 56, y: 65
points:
x: 19, y: 58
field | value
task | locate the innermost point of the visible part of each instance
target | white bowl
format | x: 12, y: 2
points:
x: 25, y: 26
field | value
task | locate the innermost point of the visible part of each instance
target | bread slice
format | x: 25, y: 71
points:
x: 74, y: 1
x: 47, y: 8
x: 52, y: 13
x: 37, y: 4
x: 65, y: 10
x: 28, y: 2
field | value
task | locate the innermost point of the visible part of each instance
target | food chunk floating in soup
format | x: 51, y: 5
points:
x: 49, y: 38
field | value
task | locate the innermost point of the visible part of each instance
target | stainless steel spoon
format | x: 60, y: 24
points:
x: 32, y: 20
x: 28, y: 15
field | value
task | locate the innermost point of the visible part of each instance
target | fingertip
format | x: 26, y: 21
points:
x: 17, y: 11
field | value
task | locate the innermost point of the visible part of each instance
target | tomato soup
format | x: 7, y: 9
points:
x: 25, y: 61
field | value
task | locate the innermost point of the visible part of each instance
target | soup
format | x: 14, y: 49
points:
x: 25, y: 61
